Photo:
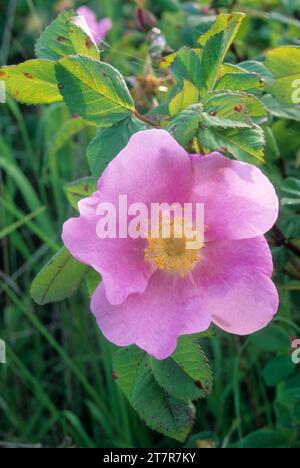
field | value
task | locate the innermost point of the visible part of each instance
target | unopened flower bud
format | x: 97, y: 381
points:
x: 145, y: 20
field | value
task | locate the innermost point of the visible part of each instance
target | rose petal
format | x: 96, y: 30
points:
x: 151, y: 168
x: 170, y: 307
x: 239, y: 201
x: 119, y: 261
x: 99, y: 29
x: 234, y: 278
x: 103, y: 28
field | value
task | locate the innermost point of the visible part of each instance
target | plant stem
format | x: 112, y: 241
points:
x: 282, y: 240
x: 146, y: 119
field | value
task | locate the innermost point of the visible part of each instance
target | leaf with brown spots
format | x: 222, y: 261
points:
x: 66, y: 35
x: 94, y: 90
x: 32, y: 82
x: 82, y: 188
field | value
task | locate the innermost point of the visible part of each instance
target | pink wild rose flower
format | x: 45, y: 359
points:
x: 155, y: 290
x: 99, y: 29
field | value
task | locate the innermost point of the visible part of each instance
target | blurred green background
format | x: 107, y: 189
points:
x: 57, y: 388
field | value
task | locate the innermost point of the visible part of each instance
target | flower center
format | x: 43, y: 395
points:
x: 171, y: 247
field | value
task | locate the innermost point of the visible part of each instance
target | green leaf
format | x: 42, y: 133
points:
x: 253, y: 66
x: 250, y: 82
x: 64, y: 134
x: 187, y: 96
x: 161, y: 412
x: 127, y: 363
x: 186, y: 65
x: 256, y: 109
x: 288, y: 403
x: 32, y: 82
x: 216, y: 43
x: 66, y: 35
x: 272, y: 152
x: 230, y: 68
x: 229, y: 24
x: 161, y: 391
x: 267, y: 438
x: 79, y: 189
x: 186, y: 375
x: 244, y: 144
x: 278, y: 369
x: 271, y: 339
x: 291, y: 187
x: 59, y: 279
x: 211, y: 62
x: 185, y: 125
x: 236, y: 107
x: 109, y: 142
x: 93, y: 279
x: 226, y: 110
x: 282, y: 111
x: 203, y: 67
x: 284, y: 64
x: 94, y: 90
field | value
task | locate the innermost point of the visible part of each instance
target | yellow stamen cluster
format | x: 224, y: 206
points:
x: 172, y: 253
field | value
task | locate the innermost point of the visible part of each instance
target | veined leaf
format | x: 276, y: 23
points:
x: 243, y: 81
x: 223, y: 112
x: 272, y: 152
x: 211, y: 62
x: 109, y: 142
x: 230, y: 68
x: 127, y: 363
x: 32, y: 82
x: 226, y: 110
x: 282, y: 111
x: 79, y: 189
x: 59, y: 279
x: 256, y: 108
x: 240, y: 102
x: 243, y: 144
x: 291, y: 185
x: 187, y: 96
x: 284, y: 64
x: 252, y: 66
x: 161, y: 412
x: 229, y: 24
x: 216, y: 43
x: 68, y: 34
x: 186, y: 65
x: 95, y: 90
x: 291, y: 188
x: 186, y: 375
x: 156, y: 407
x: 185, y: 125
